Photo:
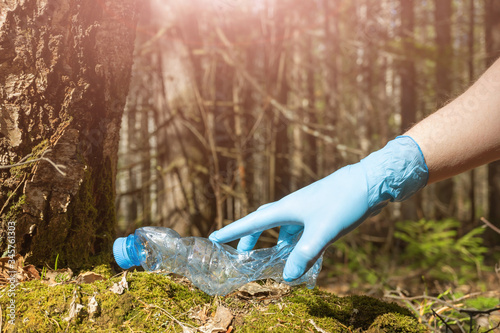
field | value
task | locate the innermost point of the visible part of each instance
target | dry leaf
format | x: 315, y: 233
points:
x: 53, y: 278
x: 253, y: 289
x: 74, y: 308
x: 13, y: 269
x: 119, y: 288
x: 199, y: 314
x: 93, y: 307
x: 219, y: 323
x: 32, y: 272
x: 257, y: 291
x: 89, y: 277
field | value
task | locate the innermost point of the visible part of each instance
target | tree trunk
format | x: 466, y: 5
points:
x: 470, y: 67
x: 444, y: 190
x: 408, y: 101
x: 331, y: 111
x: 492, y: 36
x: 276, y: 66
x: 407, y: 67
x: 64, y: 72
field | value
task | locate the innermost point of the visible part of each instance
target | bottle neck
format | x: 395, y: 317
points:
x: 133, y: 250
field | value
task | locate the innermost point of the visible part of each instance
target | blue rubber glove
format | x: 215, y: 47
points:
x: 333, y: 206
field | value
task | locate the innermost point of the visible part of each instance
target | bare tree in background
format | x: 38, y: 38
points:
x: 249, y: 101
x: 444, y: 190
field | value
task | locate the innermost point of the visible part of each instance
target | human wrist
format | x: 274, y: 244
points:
x: 395, y: 172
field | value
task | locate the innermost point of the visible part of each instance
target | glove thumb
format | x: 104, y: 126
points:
x: 304, y: 255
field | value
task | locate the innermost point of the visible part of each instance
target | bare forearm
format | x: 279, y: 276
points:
x: 466, y: 132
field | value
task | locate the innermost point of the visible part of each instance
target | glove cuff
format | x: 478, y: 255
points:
x: 395, y: 172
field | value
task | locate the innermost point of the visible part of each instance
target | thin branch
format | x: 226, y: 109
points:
x: 196, y: 133
x: 21, y: 162
x: 435, y: 299
x: 441, y: 318
x: 474, y: 312
x: 489, y: 224
x: 410, y: 305
x: 284, y: 110
x: 457, y: 322
x: 493, y: 329
x: 24, y: 161
x: 11, y: 196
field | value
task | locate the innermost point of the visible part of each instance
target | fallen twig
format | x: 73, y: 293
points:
x: 435, y: 299
x: 474, y: 312
x: 407, y: 301
x: 454, y: 304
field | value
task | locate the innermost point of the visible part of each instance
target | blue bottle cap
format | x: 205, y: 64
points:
x: 120, y: 253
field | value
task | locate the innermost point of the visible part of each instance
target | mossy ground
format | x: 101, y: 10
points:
x: 156, y: 302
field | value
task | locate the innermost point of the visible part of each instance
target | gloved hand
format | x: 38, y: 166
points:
x: 333, y: 206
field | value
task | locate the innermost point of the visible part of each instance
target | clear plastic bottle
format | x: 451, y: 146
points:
x: 217, y: 269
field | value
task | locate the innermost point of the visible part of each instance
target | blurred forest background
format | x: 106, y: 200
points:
x: 237, y: 103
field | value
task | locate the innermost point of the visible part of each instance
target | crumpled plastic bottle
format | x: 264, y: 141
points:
x: 217, y: 269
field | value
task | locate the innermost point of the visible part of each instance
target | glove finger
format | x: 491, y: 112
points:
x: 268, y: 217
x: 306, y: 252
x: 289, y: 232
x: 247, y: 243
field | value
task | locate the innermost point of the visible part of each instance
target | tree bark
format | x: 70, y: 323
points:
x: 64, y: 75
x: 444, y: 190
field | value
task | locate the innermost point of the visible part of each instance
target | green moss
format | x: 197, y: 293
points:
x: 395, y: 323
x: 353, y: 311
x: 15, y: 208
x: 104, y: 269
x: 286, y: 317
x: 40, y: 148
x: 153, y: 301
x: 331, y: 313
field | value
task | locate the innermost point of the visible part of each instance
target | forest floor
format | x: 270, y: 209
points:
x: 134, y: 301
x: 433, y: 301
x: 146, y: 302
